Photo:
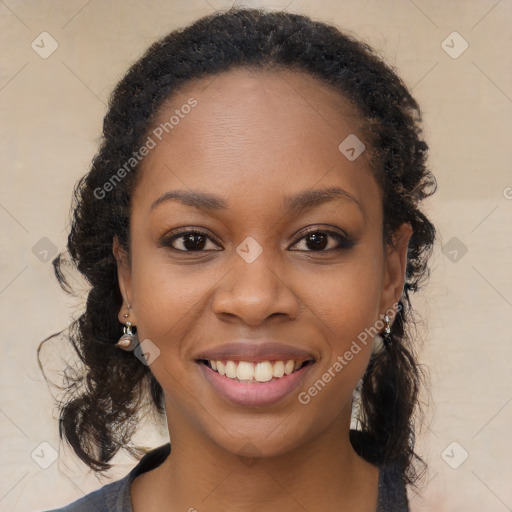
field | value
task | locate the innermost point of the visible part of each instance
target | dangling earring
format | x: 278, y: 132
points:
x: 386, y: 335
x: 129, y: 340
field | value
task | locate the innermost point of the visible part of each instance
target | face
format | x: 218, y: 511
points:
x: 255, y: 239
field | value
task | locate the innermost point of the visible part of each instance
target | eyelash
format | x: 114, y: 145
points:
x: 344, y: 242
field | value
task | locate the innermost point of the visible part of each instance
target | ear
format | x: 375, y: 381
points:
x: 124, y: 276
x: 395, y: 267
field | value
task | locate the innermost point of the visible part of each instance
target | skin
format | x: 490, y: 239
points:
x: 254, y: 138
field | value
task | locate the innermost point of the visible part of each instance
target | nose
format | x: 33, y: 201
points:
x: 253, y: 292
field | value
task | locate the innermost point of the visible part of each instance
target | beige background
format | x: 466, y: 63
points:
x: 52, y: 112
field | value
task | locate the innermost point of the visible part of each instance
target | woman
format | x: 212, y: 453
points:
x: 251, y: 231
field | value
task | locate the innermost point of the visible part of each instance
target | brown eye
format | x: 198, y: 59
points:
x: 317, y: 241
x: 324, y: 241
x: 189, y: 241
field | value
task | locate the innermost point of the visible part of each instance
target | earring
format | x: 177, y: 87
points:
x: 386, y: 335
x: 129, y: 339
x: 126, y: 315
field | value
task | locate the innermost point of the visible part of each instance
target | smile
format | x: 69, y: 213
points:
x: 254, y: 383
x: 248, y: 371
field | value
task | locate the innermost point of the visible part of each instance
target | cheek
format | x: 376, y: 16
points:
x: 344, y: 304
x: 344, y: 297
x: 169, y: 299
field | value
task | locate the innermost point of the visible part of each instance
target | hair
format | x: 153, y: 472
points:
x: 99, y: 414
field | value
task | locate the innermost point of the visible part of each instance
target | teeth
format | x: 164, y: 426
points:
x: 231, y: 369
x: 245, y: 371
x: 263, y: 371
x: 260, y: 372
x: 278, y: 369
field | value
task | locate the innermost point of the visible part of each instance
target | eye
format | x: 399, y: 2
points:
x: 317, y: 240
x: 189, y: 241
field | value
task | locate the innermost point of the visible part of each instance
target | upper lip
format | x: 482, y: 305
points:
x: 255, y: 351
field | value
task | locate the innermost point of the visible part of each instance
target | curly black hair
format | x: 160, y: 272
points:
x: 105, y: 394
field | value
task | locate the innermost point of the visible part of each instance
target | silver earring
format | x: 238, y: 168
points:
x: 129, y: 340
x: 386, y: 335
x: 126, y: 315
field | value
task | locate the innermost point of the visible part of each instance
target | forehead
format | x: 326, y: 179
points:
x: 263, y: 130
x: 252, y: 104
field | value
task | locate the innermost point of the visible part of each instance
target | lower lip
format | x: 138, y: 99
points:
x: 254, y: 394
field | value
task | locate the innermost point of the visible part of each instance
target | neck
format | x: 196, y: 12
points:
x: 324, y: 474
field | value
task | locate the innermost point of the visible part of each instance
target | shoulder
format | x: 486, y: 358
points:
x: 392, y: 487
x: 104, y: 499
x: 115, y: 496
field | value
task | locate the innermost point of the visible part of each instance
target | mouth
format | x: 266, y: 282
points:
x: 254, y: 383
x: 255, y: 371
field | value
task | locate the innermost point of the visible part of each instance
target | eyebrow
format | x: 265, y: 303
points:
x: 315, y: 197
x: 196, y: 199
x: 294, y: 204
